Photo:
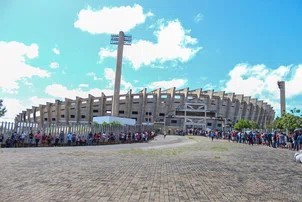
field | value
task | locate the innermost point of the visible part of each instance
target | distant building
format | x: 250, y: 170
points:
x: 182, y: 108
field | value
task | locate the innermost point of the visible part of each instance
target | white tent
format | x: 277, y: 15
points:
x: 109, y: 119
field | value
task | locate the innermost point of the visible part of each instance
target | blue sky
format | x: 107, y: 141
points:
x: 55, y: 49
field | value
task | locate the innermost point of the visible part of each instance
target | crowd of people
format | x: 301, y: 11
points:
x: 276, y: 139
x: 72, y: 139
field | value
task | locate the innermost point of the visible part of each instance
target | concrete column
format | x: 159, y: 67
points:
x: 34, y: 114
x: 41, y: 109
x: 172, y: 96
x: 118, y: 74
x: 67, y: 109
x: 281, y: 85
x: 48, y: 106
x: 259, y: 103
x: 28, y: 112
x: 89, y: 111
x: 101, y: 106
x: 198, y: 92
x: 129, y: 103
x: 143, y: 106
x: 78, y: 109
x: 254, y: 109
x: 186, y: 93
x: 58, y: 110
x: 157, y: 104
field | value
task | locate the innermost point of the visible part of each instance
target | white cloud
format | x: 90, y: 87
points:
x: 54, y: 65
x: 15, y: 106
x: 198, y: 17
x: 13, y: 64
x: 208, y: 87
x: 261, y: 82
x: 62, y: 92
x: 178, y: 83
x: 93, y: 75
x: 56, y: 51
x: 26, y: 82
x: 83, y: 85
x: 111, y: 20
x: 35, y: 101
x: 173, y: 44
x: 110, y: 76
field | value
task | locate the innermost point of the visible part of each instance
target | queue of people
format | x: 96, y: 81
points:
x: 73, y: 139
x: 277, y: 139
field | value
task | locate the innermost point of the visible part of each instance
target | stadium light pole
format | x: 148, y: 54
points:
x: 120, y: 40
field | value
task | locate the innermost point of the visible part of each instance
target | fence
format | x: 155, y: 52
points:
x: 8, y: 128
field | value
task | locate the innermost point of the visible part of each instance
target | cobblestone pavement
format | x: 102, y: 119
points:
x: 171, y: 169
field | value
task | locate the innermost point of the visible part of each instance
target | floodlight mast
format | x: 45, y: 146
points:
x: 121, y: 39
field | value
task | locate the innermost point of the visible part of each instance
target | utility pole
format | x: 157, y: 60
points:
x: 281, y: 86
x: 121, y: 39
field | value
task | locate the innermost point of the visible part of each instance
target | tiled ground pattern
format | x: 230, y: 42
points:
x: 202, y: 171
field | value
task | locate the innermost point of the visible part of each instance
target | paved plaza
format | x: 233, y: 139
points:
x: 171, y: 169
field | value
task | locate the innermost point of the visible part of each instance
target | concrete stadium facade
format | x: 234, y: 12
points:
x: 177, y: 108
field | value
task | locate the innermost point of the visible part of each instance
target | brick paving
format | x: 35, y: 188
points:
x: 174, y: 169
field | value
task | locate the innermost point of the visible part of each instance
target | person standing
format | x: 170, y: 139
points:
x: 62, y: 138
x: 15, y: 139
x: 165, y: 134
x: 30, y: 138
x: 49, y: 139
x: 12, y: 138
x: 1, y: 139
x: 290, y: 141
x: 269, y: 139
x: 251, y: 141
x: 299, y: 139
x: 22, y: 138
x: 212, y: 135
x: 38, y: 136
x: 69, y: 139
x: 90, y: 137
x: 57, y: 139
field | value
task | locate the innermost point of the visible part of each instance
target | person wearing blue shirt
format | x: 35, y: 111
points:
x: 269, y: 139
x: 251, y: 136
x: 299, y: 140
x: 69, y: 139
x: 212, y: 135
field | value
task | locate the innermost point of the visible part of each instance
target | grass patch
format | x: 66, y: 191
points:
x: 216, y: 157
x: 219, y: 149
x: 192, y: 138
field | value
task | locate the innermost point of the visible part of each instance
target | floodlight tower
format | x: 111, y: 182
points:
x: 120, y: 40
x: 281, y: 86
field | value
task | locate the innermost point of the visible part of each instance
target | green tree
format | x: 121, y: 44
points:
x: 296, y: 112
x: 115, y: 123
x: 2, y: 109
x: 241, y: 124
x: 289, y: 121
x: 277, y: 124
x: 253, y: 125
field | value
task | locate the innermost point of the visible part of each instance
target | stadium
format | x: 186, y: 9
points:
x: 173, y: 108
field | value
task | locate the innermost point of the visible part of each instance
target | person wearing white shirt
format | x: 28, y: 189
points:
x: 22, y: 138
